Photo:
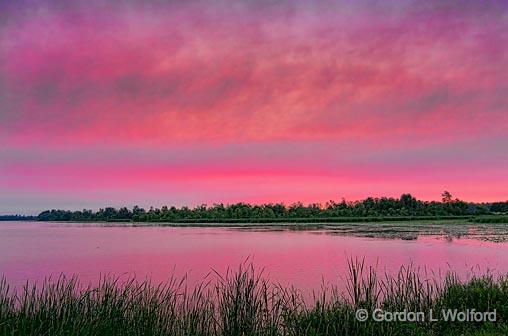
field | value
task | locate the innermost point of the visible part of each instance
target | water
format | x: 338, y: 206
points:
x: 306, y: 259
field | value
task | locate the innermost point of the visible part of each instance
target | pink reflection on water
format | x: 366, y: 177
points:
x: 33, y: 251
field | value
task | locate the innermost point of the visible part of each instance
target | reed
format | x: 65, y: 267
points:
x: 245, y: 302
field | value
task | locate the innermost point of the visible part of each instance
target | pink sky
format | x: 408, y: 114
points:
x: 189, y: 102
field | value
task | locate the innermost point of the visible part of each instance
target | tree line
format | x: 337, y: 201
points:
x: 16, y: 218
x: 405, y: 206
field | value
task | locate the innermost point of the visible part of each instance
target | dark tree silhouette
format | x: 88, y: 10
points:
x: 447, y: 197
x: 370, y: 208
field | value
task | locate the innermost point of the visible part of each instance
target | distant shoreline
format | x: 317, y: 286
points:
x: 370, y: 209
x: 307, y: 220
x: 492, y: 218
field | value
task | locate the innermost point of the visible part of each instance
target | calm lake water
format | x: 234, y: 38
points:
x: 306, y: 259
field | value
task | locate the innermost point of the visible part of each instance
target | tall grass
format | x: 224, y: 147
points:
x: 244, y: 302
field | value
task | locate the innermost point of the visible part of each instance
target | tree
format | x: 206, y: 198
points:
x: 447, y: 197
x: 372, y: 206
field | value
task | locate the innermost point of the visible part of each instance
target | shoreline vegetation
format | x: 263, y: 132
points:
x: 499, y: 218
x: 245, y: 302
x: 405, y: 208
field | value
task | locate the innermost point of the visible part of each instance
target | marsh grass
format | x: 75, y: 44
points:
x: 501, y: 219
x: 244, y: 302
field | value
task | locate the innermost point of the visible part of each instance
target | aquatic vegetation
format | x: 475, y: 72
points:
x: 246, y: 303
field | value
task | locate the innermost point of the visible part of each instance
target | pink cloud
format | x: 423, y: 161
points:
x: 372, y: 84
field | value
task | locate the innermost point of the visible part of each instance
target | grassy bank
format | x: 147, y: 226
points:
x: 490, y: 219
x: 305, y: 220
x: 245, y: 303
x: 331, y: 220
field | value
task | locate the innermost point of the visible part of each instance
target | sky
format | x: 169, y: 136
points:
x: 118, y: 103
